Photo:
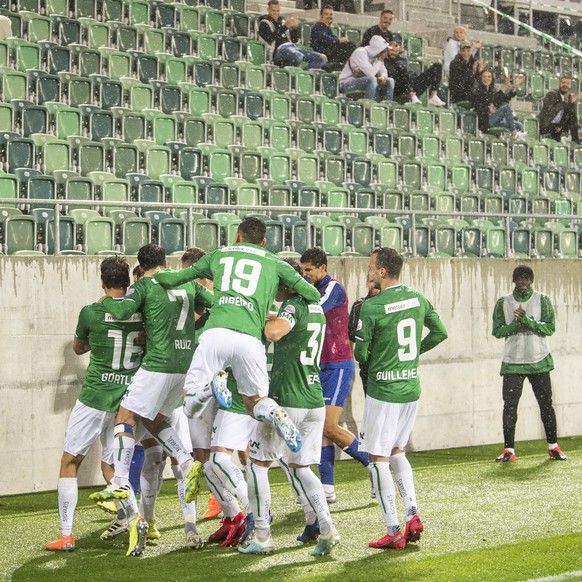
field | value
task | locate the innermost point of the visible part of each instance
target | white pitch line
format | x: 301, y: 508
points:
x: 558, y: 577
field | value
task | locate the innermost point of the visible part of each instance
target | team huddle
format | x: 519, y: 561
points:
x: 178, y: 363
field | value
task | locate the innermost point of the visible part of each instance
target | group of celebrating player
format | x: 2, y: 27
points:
x: 169, y: 340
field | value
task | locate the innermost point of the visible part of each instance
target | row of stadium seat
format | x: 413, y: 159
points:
x: 85, y: 231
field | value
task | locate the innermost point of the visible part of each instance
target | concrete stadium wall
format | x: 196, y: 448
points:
x: 40, y: 299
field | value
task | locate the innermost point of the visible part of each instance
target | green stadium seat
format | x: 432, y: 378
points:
x: 19, y: 233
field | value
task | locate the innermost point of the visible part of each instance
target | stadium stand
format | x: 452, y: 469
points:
x: 124, y: 122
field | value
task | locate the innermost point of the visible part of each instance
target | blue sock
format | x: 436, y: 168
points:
x: 353, y: 452
x: 326, y: 469
x: 135, y: 468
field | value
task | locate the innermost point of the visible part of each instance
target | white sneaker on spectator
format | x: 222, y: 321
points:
x: 436, y: 100
x: 414, y: 99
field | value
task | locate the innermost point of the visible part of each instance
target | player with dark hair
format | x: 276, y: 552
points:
x: 389, y: 338
x: 336, y: 367
x: 246, y: 278
x: 353, y: 325
x: 157, y: 387
x: 525, y: 318
x: 298, y: 333
x: 114, y: 358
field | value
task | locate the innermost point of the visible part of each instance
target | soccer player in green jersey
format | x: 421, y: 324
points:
x: 298, y: 332
x: 389, y: 338
x: 114, y: 358
x: 525, y: 319
x: 157, y: 387
x: 246, y: 278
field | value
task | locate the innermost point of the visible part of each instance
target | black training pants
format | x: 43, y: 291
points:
x: 542, y: 389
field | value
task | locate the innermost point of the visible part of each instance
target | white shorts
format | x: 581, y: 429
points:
x: 386, y: 426
x: 223, y: 348
x: 153, y: 393
x: 201, y: 426
x: 267, y: 445
x: 178, y: 421
x: 232, y: 431
x: 85, y: 426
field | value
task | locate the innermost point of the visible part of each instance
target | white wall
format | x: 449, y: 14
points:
x: 40, y: 376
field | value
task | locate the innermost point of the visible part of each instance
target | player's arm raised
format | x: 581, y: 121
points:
x: 169, y: 278
x: 291, y: 278
x: 126, y: 307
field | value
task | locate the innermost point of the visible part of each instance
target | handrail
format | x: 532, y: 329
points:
x: 308, y: 210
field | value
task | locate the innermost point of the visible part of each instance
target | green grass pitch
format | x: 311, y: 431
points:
x: 483, y: 521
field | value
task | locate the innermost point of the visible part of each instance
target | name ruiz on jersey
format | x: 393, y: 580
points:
x: 183, y: 344
x: 397, y: 375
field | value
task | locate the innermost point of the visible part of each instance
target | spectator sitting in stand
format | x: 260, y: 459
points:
x: 493, y: 108
x: 407, y: 86
x: 323, y: 40
x: 382, y: 29
x: 365, y: 71
x: 453, y: 47
x: 281, y: 35
x: 463, y: 74
x: 558, y: 114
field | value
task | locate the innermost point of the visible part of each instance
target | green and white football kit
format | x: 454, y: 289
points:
x: 392, y: 325
x: 295, y: 385
x: 246, y: 278
x: 114, y: 358
x: 168, y: 316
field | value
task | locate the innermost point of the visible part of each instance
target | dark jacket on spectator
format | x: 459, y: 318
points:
x: 552, y: 105
x: 275, y: 33
x: 461, y: 79
x: 323, y: 40
x: 483, y: 99
x: 376, y: 31
x: 402, y: 77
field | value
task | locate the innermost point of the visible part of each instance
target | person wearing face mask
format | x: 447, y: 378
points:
x: 558, y: 115
x: 493, y: 107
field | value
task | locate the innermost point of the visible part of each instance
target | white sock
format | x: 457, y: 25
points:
x: 552, y: 446
x: 68, y: 491
x: 149, y: 481
x: 405, y: 482
x: 264, y: 409
x: 188, y: 509
x: 226, y: 499
x: 385, y: 494
x: 123, y: 454
x: 124, y: 447
x: 162, y: 466
x: 296, y: 491
x: 172, y: 444
x: 259, y: 494
x: 195, y: 402
x: 315, y: 495
x: 230, y: 476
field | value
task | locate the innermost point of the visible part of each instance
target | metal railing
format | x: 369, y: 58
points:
x: 415, y: 215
